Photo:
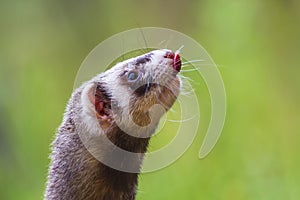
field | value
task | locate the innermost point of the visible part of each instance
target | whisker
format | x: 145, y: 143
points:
x: 178, y: 50
x: 189, y: 70
x: 184, y: 120
x: 160, y: 44
x: 123, y: 50
x: 186, y: 84
x: 147, y: 87
x: 203, y: 65
x: 168, y: 42
x: 187, y: 94
x: 186, y: 78
x: 192, y: 61
x: 144, y: 38
x: 186, y: 89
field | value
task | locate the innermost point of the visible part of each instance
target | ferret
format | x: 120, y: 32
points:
x: 112, y: 113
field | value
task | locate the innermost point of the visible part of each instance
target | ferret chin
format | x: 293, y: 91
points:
x: 117, y: 109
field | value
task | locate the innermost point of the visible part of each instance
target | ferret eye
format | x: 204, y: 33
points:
x: 132, y: 76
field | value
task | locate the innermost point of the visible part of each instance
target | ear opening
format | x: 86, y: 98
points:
x: 101, y: 102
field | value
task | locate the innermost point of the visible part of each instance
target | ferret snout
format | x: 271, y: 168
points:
x: 176, y: 59
x: 159, y: 55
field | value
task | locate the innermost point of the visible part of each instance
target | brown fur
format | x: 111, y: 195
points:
x: 74, y: 173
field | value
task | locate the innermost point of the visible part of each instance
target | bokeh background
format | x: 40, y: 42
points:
x: 256, y: 45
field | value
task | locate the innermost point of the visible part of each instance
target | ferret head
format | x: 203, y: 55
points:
x: 133, y: 94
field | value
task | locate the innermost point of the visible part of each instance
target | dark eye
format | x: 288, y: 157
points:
x: 132, y: 76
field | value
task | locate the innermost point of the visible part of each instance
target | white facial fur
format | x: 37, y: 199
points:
x: 158, y: 69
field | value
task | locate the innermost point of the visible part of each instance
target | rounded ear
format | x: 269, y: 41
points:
x: 101, y: 103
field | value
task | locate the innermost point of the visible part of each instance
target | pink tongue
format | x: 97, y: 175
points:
x: 177, y: 63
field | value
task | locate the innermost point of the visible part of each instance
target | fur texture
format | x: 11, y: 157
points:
x: 99, y: 109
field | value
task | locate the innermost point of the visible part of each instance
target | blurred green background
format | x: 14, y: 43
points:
x: 256, y: 44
